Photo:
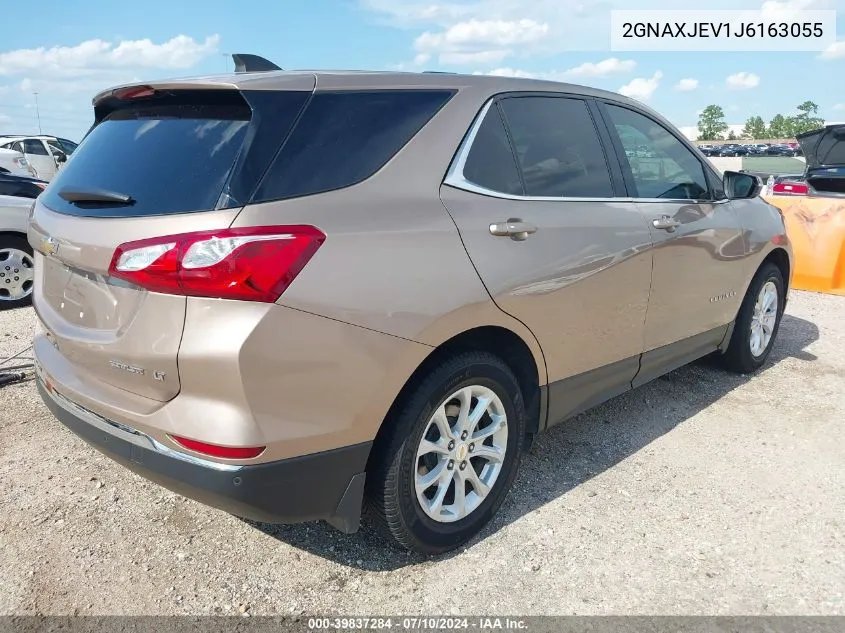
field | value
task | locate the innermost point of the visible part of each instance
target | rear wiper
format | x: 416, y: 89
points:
x: 95, y: 196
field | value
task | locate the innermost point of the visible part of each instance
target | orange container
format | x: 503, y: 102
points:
x: 816, y: 228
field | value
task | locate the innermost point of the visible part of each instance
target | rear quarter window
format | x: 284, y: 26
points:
x: 343, y: 138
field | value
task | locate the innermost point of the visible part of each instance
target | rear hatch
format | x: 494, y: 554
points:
x: 159, y: 160
x: 824, y: 151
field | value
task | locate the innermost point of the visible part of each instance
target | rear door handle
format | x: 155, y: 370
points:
x: 666, y: 223
x: 514, y: 228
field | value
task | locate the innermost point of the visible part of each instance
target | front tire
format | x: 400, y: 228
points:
x: 758, y: 321
x: 452, y: 454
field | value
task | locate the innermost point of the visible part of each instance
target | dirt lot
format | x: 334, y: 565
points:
x: 700, y: 493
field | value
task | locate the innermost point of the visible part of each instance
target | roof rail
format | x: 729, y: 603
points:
x: 246, y: 63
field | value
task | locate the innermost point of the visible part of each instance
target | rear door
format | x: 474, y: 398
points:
x: 699, y: 248
x: 187, y: 159
x: 534, y: 195
x: 39, y: 156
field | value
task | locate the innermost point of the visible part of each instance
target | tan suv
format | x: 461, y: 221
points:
x: 291, y: 295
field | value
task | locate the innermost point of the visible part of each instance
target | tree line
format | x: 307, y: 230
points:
x: 712, y: 126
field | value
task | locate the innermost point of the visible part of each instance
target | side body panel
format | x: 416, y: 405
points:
x: 14, y: 214
x: 580, y: 284
x: 699, y: 270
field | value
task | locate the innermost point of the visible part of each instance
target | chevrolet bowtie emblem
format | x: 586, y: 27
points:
x: 49, y: 246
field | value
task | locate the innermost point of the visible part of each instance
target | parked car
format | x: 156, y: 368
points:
x: 782, y: 150
x: 14, y: 162
x: 21, y: 186
x: 790, y: 185
x: 824, y: 150
x: 733, y: 149
x: 712, y: 150
x: 16, y: 259
x: 287, y: 330
x: 43, y: 156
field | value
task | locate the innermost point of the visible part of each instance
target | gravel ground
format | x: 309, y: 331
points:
x: 702, y: 493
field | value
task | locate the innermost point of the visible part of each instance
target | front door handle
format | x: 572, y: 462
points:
x: 666, y: 223
x: 514, y: 228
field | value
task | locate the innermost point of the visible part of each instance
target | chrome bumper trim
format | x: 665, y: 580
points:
x: 123, y: 432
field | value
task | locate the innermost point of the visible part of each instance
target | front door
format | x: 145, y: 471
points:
x: 534, y: 197
x: 698, y: 241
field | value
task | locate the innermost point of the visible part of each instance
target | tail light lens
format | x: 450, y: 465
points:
x: 793, y: 188
x: 215, y: 450
x: 248, y: 264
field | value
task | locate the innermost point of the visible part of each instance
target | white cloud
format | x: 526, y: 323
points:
x: 604, y: 68
x: 839, y: 106
x: 511, y: 72
x: 97, y: 64
x: 642, y: 88
x: 834, y: 51
x: 686, y: 85
x: 93, y: 55
x: 480, y: 41
x: 742, y: 81
x: 573, y: 25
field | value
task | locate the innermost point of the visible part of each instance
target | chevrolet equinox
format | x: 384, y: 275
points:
x: 299, y: 295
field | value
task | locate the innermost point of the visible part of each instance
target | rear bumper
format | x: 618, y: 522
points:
x: 323, y: 486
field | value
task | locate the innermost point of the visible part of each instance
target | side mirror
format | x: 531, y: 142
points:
x: 741, y: 186
x: 61, y: 157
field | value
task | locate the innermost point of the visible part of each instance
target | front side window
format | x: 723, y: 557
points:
x: 660, y: 165
x: 558, y: 147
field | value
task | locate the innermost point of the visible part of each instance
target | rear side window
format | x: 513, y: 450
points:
x: 558, y: 147
x: 343, y: 138
x: 490, y: 162
x: 35, y: 147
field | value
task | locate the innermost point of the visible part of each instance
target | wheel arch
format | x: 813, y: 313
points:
x: 504, y: 343
x: 780, y: 258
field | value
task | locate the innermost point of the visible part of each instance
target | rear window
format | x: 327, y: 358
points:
x: 343, y: 138
x: 177, y: 156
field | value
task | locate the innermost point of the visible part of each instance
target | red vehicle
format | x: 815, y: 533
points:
x: 790, y: 186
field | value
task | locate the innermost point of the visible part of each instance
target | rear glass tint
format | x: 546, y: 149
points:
x: 343, y: 138
x: 178, y: 156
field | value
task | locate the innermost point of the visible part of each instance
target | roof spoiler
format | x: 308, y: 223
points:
x: 246, y: 63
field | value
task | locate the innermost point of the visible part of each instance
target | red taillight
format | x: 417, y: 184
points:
x: 134, y: 92
x: 214, y: 450
x: 793, y: 188
x: 249, y: 264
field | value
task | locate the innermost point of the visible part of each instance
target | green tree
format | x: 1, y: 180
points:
x: 781, y: 127
x: 755, y: 128
x: 731, y: 135
x: 711, y: 123
x: 807, y: 118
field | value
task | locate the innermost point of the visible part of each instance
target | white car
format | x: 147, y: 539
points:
x: 13, y: 162
x: 43, y: 153
x: 16, y: 261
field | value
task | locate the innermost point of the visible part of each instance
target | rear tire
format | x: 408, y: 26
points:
x: 421, y: 447
x: 16, y: 271
x: 757, y: 323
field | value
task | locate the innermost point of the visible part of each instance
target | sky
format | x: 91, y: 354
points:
x: 72, y: 50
